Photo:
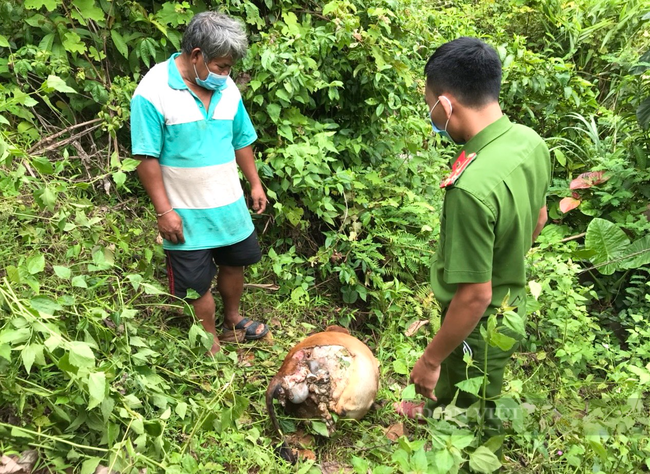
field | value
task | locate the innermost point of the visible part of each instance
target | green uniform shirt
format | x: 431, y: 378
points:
x: 489, y: 215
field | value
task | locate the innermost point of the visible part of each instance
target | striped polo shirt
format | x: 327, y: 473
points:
x: 196, y: 151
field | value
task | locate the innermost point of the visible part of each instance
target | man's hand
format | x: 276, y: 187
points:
x: 170, y: 227
x: 259, y: 199
x: 425, y: 377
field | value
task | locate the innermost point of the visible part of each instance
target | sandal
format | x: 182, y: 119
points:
x: 250, y: 330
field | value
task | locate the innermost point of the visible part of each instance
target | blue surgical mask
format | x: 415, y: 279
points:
x: 443, y: 133
x: 213, y: 82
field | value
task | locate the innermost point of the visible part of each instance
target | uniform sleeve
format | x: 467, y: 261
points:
x: 469, y: 238
x: 147, y: 125
x: 243, y: 131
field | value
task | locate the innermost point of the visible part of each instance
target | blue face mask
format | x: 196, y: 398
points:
x: 213, y: 82
x: 443, y: 133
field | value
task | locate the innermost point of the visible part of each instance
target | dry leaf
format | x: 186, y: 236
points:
x: 393, y: 432
x: 238, y: 335
x: 300, y: 438
x: 245, y: 358
x: 413, y: 328
x: 22, y: 465
x: 568, y: 203
x: 8, y: 465
x: 306, y: 454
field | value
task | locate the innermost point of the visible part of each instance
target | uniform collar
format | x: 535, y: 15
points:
x: 487, y: 135
x: 175, y: 80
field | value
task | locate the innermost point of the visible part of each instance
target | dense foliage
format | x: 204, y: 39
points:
x: 99, y: 366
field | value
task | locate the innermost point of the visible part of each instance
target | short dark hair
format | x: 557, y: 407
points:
x: 468, y: 68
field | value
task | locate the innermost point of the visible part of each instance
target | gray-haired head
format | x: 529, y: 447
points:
x: 217, y: 35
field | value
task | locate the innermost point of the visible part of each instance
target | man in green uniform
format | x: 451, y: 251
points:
x: 493, y: 210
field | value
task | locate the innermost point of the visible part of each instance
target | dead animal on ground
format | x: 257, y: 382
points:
x: 328, y: 372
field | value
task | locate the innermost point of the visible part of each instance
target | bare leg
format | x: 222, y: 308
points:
x: 230, y: 284
x: 204, y: 310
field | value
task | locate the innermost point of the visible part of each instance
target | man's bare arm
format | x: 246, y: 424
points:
x: 246, y: 162
x: 541, y: 222
x: 170, y: 224
x: 465, y: 311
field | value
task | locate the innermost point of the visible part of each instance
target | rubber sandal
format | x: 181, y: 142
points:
x: 251, y: 330
x: 411, y: 410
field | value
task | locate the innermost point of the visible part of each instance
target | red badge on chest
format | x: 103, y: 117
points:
x: 457, y: 169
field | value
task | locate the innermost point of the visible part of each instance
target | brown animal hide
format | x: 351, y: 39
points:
x: 328, y: 372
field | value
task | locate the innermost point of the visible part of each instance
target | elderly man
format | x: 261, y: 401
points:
x: 191, y: 131
x: 494, y: 208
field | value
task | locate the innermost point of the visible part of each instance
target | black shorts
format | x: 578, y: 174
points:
x: 196, y: 269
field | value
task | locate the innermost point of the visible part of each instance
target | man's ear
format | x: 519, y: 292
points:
x: 195, y: 55
x: 446, y: 103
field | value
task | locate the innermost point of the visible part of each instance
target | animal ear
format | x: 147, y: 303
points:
x: 337, y: 329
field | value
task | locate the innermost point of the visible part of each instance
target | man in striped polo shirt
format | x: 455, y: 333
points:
x: 191, y: 131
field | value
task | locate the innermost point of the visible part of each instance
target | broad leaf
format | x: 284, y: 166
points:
x: 45, y: 305
x: 50, y: 5
x: 62, y: 272
x: 608, y: 244
x: 81, y: 355
x: 35, y: 264
x: 89, y: 10
x: 502, y: 341
x: 96, y: 389
x: 55, y: 83
x: 638, y: 253
x: 589, y: 179
x: 4, y: 42
x: 643, y: 113
x: 568, y: 203
x: 472, y: 385
x: 483, y: 460
x: 320, y: 428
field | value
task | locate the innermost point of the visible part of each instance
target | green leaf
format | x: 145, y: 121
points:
x: 88, y: 10
x: 181, y: 410
x: 483, y: 460
x: 643, y: 113
x: 52, y: 342
x: 42, y: 164
x: 5, y: 351
x: 81, y: 355
x: 72, y: 42
x: 514, y: 322
x: 4, y: 42
x: 55, y: 83
x: 50, y: 5
x: 419, y: 461
x: 96, y: 389
x: 79, y: 281
x: 472, y: 385
x: 443, y: 461
x: 120, y: 178
x: 89, y: 465
x: 15, y: 336
x: 502, y: 341
x: 28, y: 355
x: 637, y: 254
x: 46, y: 197
x: 45, y: 305
x: 274, y: 111
x: 62, y: 272
x: 137, y: 425
x: 608, y: 243
x: 400, y: 367
x: 35, y: 264
x: 320, y: 428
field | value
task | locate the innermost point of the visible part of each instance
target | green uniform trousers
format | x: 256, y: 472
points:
x: 454, y: 369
